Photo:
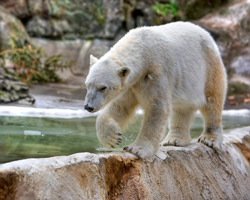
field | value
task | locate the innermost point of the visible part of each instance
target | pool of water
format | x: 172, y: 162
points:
x: 34, y: 137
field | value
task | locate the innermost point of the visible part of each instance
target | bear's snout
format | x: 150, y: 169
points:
x: 90, y: 109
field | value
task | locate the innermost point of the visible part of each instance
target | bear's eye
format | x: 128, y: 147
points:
x: 103, y: 88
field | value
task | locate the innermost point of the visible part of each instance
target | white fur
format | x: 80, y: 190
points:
x: 167, y: 71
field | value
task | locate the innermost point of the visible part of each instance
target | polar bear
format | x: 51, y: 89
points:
x: 170, y: 71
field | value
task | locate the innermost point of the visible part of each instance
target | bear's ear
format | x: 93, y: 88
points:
x: 123, y: 72
x: 92, y: 60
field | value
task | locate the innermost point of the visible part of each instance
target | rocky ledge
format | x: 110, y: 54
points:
x: 12, y: 90
x: 192, y: 172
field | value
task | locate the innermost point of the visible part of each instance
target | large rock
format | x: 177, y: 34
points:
x: 230, y: 27
x: 11, y: 28
x: 142, y: 13
x: 192, y: 172
x: 195, y: 9
x: 83, y: 19
x: 12, y: 90
x: 18, y: 8
x: 86, y: 19
x: 69, y: 19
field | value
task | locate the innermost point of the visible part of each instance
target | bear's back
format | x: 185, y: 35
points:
x: 176, y: 33
x: 178, y: 49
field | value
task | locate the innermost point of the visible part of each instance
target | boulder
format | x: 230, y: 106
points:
x: 230, y: 27
x: 69, y: 19
x: 87, y: 19
x: 11, y: 27
x: 12, y: 90
x: 195, y: 9
x: 17, y: 8
x: 192, y: 172
x: 142, y: 13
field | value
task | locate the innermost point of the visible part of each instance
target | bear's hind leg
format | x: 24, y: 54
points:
x: 212, y: 131
x: 215, y: 95
x: 180, y: 120
x: 113, y: 118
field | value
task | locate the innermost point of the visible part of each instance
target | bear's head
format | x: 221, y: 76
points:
x: 104, y: 83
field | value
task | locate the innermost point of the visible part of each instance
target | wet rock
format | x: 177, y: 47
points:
x: 12, y: 90
x: 230, y: 28
x: 11, y: 27
x: 192, y: 172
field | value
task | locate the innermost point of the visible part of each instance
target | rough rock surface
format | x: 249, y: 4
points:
x: 11, y: 27
x: 195, y: 9
x: 12, y: 90
x: 68, y: 19
x: 192, y: 172
x: 230, y: 27
x: 98, y: 18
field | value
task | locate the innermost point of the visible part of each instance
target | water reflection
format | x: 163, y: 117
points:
x: 29, y: 137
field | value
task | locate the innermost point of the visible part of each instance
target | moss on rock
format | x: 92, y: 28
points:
x: 236, y: 88
x: 11, y: 27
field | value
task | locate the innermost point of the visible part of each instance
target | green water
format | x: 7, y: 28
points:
x: 29, y: 137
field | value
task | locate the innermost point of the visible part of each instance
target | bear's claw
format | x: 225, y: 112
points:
x: 131, y: 150
x: 173, y: 141
x: 210, y: 140
x: 111, y: 140
x: 142, y: 151
x: 110, y: 135
x: 117, y: 141
x: 125, y: 148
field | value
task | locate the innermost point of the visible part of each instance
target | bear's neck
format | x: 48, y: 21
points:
x: 132, y: 57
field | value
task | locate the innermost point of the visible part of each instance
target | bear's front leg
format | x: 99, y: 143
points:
x: 115, y: 117
x: 154, y: 125
x: 108, y: 131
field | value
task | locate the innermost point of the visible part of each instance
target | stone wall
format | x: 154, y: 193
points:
x: 64, y: 19
x: 87, y: 19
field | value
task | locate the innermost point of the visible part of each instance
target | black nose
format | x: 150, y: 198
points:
x: 90, y: 109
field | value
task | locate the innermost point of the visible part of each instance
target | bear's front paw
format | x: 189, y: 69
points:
x: 143, y: 150
x: 175, y: 141
x: 211, y: 140
x: 109, y: 134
